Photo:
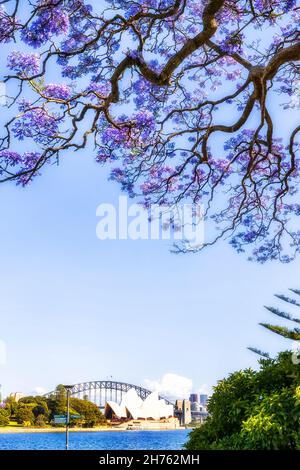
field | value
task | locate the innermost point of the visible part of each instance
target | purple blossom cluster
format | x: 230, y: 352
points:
x: 277, y: 5
x: 119, y: 175
x: 98, y: 91
x: 146, y: 94
x: 230, y: 42
x: 133, y: 8
x: 116, y: 135
x: 7, y: 26
x: 38, y: 124
x: 57, y: 90
x: 105, y: 155
x: 7, y: 157
x: 25, y: 162
x: 156, y: 175
x: 78, y: 9
x: 24, y: 105
x: 30, y: 159
x: 141, y: 127
x: 88, y: 63
x: 24, y: 63
x: 145, y: 123
x: 50, y: 21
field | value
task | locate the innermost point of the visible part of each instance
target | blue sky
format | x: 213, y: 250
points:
x: 74, y: 308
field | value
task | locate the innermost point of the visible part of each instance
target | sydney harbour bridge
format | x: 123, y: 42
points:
x: 101, y: 391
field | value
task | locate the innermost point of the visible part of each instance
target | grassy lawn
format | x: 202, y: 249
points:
x: 14, y: 424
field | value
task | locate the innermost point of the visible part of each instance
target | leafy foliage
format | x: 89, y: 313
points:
x: 91, y: 415
x: 40, y: 421
x: 254, y: 410
x: 39, y: 411
x: 289, y: 333
x: 4, y: 417
x: 24, y: 414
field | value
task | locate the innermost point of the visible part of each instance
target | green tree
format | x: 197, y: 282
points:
x: 285, y: 331
x: 28, y: 399
x: 41, y: 410
x: 24, y: 414
x: 40, y: 421
x: 4, y: 417
x: 90, y: 412
x: 57, y: 402
x: 39, y: 405
x: 11, y: 405
x: 254, y: 409
x: 290, y: 333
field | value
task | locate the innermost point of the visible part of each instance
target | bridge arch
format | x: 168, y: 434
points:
x: 101, y: 391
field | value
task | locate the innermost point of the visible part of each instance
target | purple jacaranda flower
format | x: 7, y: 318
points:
x: 24, y: 63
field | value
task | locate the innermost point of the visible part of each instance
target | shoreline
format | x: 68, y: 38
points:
x: 20, y: 430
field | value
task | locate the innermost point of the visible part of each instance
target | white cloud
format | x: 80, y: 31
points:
x: 204, y: 389
x: 171, y: 385
x: 39, y: 391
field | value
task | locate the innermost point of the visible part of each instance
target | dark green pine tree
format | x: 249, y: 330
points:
x: 259, y: 352
x: 289, y: 333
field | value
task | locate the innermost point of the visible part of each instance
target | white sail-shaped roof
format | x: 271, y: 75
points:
x: 117, y: 409
x: 132, y: 403
x: 151, y: 406
x: 133, y: 406
x: 165, y: 410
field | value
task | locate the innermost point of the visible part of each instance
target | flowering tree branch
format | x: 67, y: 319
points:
x: 179, y: 96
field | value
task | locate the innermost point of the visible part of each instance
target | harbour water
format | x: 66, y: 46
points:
x: 105, y: 440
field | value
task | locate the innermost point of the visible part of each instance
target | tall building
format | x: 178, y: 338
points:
x: 194, y: 398
x: 178, y: 405
x: 195, y: 406
x: 16, y: 396
x: 203, y: 399
x: 183, y: 411
x: 193, y: 410
x: 186, y: 412
x: 178, y: 411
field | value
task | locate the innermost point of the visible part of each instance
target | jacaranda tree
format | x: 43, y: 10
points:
x: 188, y: 100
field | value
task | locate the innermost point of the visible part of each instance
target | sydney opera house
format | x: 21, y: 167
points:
x: 133, y: 407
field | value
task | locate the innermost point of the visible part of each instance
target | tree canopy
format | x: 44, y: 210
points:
x: 289, y: 333
x: 40, y: 411
x: 254, y: 410
x: 285, y: 331
x: 185, y: 99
